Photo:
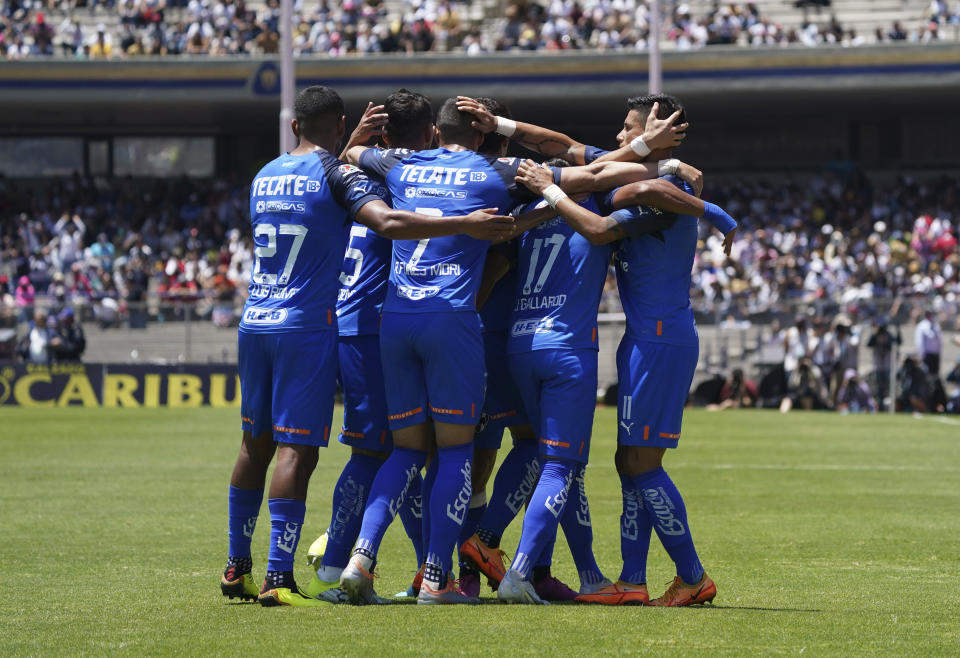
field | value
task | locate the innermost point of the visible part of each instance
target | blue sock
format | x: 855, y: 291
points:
x: 386, y: 496
x: 579, y: 530
x: 349, y: 501
x: 478, y: 505
x: 243, y: 507
x: 543, y: 514
x: 666, y: 511
x: 411, y: 515
x: 635, y: 529
x: 449, y: 503
x: 286, y: 521
x: 428, y: 480
x: 515, y: 481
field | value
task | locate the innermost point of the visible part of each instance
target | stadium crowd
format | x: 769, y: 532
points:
x: 828, y: 240
x: 96, y: 29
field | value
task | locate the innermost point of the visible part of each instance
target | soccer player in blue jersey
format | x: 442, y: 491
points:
x: 404, y: 121
x: 301, y: 205
x: 553, y: 355
x: 655, y: 363
x: 432, y: 347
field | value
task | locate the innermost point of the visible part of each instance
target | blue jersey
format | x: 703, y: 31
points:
x: 653, y: 273
x: 591, y: 153
x: 560, y: 278
x: 363, y: 282
x: 301, y: 207
x: 441, y: 274
x: 495, y: 313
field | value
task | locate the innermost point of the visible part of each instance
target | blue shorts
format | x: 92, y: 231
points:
x: 364, y: 400
x: 432, y: 367
x: 559, y: 389
x: 502, y: 404
x: 287, y: 383
x: 655, y: 380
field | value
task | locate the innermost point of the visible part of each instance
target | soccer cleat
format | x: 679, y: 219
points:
x: 619, y: 593
x: 680, y: 593
x: 449, y: 595
x: 316, y: 551
x: 489, y: 561
x: 238, y: 585
x: 325, y: 591
x: 470, y: 584
x: 357, y: 581
x: 292, y: 596
x: 552, y: 588
x: 514, y: 589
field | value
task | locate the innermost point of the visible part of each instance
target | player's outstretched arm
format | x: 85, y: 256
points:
x: 371, y: 125
x: 600, y: 176
x: 482, y: 224
x: 541, y: 140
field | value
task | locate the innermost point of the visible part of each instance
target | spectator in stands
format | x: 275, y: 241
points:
x: 847, y: 354
x: 24, y: 297
x: 798, y: 343
x: 897, y: 33
x: 72, y: 341
x: 953, y: 380
x: 41, y: 341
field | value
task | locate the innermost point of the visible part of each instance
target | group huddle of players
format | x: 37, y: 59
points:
x: 453, y: 292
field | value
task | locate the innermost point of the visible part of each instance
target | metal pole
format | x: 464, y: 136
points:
x: 653, y: 42
x: 287, y: 142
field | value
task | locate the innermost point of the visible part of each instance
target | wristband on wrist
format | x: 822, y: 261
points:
x: 553, y: 194
x: 639, y: 146
x: 667, y: 167
x: 506, y: 127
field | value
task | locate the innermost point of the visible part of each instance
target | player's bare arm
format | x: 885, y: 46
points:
x: 541, y: 140
x: 598, y: 230
x: 371, y: 125
x: 482, y: 224
x: 599, y: 176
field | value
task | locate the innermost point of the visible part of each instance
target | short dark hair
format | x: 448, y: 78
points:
x: 453, y: 124
x: 668, y: 105
x: 492, y: 142
x: 317, y: 109
x: 408, y: 114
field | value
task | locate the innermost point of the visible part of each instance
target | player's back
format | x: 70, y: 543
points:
x: 363, y: 281
x: 442, y: 274
x: 300, y: 228
x: 559, y: 283
x: 653, y: 277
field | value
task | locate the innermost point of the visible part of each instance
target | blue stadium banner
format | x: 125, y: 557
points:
x: 118, y: 385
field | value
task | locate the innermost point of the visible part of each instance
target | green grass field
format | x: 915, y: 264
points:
x: 826, y: 534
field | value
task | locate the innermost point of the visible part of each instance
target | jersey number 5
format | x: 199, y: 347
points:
x: 270, y: 249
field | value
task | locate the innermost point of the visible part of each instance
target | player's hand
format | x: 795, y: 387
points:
x: 371, y: 124
x: 692, y: 175
x: 662, y: 133
x: 728, y: 242
x: 485, y: 224
x: 485, y: 121
x: 534, y: 177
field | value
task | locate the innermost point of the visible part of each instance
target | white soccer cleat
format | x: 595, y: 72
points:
x: 514, y: 589
x: 357, y: 581
x: 594, y: 587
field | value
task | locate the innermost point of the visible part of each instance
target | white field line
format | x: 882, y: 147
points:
x: 823, y: 467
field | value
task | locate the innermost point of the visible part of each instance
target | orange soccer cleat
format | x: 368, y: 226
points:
x: 619, y: 593
x: 680, y: 593
x: 489, y: 561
